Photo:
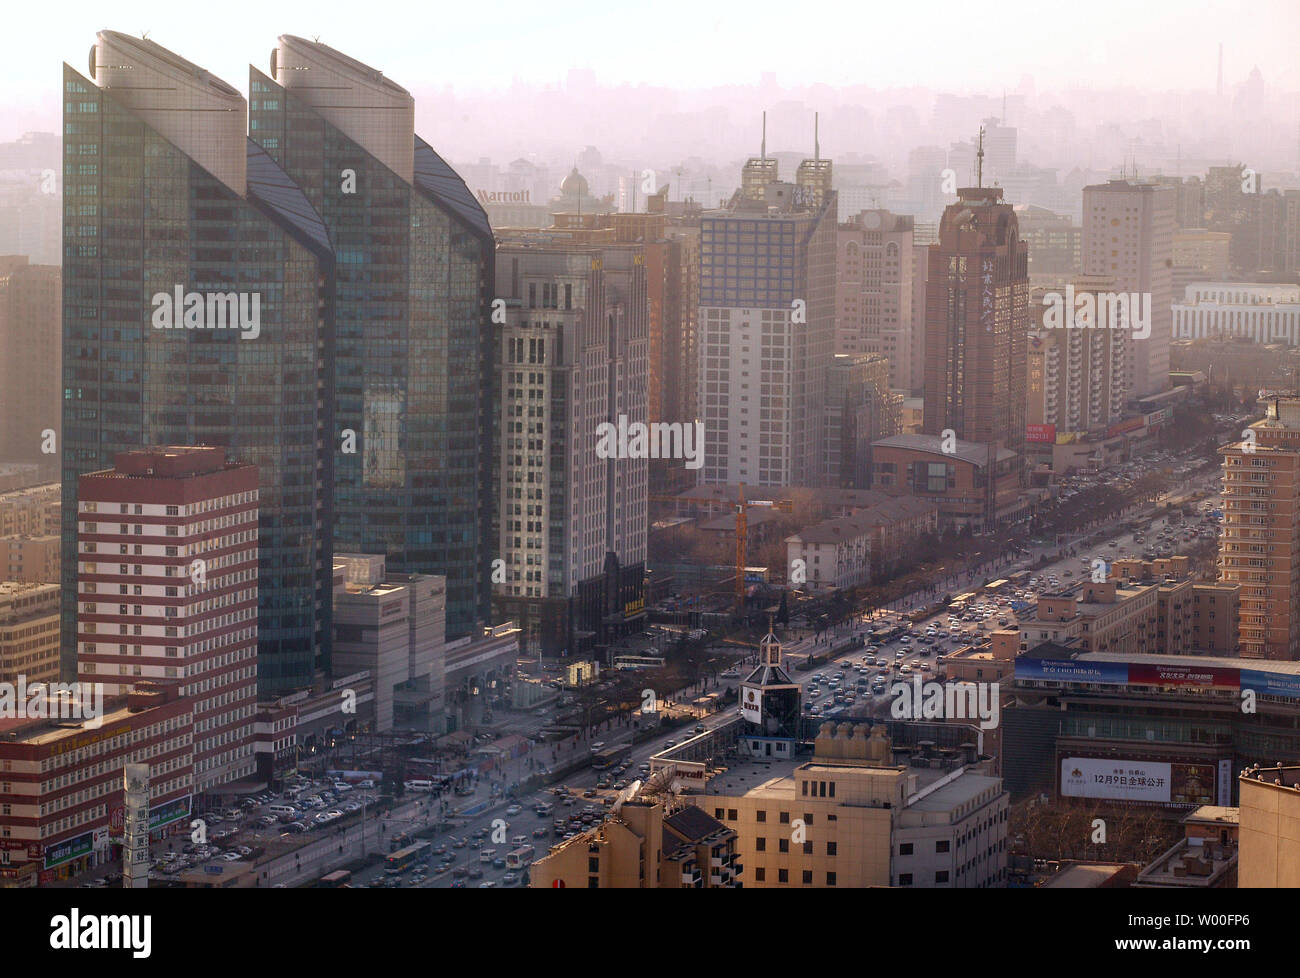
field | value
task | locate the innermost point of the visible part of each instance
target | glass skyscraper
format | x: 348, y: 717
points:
x: 412, y: 374
x: 165, y: 192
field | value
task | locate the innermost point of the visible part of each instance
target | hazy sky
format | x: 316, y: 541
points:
x: 955, y: 45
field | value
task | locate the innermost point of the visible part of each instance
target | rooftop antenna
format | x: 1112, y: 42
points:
x: 762, y: 152
x: 979, y: 161
x: 817, y: 146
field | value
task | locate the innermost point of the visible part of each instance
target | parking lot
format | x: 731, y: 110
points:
x: 243, y: 831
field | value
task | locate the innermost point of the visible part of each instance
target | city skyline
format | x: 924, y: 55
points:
x: 679, y: 448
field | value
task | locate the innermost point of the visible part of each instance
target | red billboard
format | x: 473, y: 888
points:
x: 1045, y: 433
x: 1196, y: 677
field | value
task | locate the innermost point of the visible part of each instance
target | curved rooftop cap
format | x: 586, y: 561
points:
x: 192, y: 109
x: 575, y: 185
x: 371, y: 110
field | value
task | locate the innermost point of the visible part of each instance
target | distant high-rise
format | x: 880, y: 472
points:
x: 411, y: 375
x: 873, y: 290
x: 1128, y: 235
x: 767, y: 328
x: 977, y: 322
x: 1055, y: 243
x: 179, y: 200
x: 167, y: 580
x: 574, y: 356
x: 1260, y: 546
x: 999, y: 150
x: 31, y: 385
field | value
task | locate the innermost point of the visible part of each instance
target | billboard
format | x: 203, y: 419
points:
x: 1072, y: 671
x: 1045, y: 433
x: 1150, y: 782
x: 1271, y: 684
x: 1184, y: 676
x: 751, y: 706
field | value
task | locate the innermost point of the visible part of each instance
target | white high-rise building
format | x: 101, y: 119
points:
x: 1128, y: 237
x: 767, y: 328
x: 574, y: 355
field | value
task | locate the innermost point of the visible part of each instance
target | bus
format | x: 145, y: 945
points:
x: 609, y: 757
x: 398, y: 861
x: 521, y: 857
x: 334, y: 880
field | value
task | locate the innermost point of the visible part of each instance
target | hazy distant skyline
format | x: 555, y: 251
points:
x: 481, y: 48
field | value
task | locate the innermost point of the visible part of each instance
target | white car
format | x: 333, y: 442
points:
x: 513, y: 810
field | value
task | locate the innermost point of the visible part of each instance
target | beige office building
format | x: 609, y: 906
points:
x: 1128, y: 230
x: 1136, y: 612
x: 862, y: 812
x: 873, y: 290
x: 30, y: 512
x: 644, y: 846
x: 29, y: 632
x: 1269, y: 853
x: 395, y: 627
x: 30, y: 560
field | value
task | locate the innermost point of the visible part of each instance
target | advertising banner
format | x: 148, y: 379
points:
x: 1072, y: 671
x: 1198, y: 677
x: 1152, y: 782
x: 1045, y: 433
x: 1271, y: 684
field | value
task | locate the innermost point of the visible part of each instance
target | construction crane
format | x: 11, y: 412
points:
x: 742, y: 530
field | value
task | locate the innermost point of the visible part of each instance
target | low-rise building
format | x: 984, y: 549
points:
x: 30, y: 559
x: 394, y: 627
x: 33, y: 511
x: 62, y: 801
x: 864, y: 811
x: 961, y: 482
x: 29, y: 632
x: 854, y: 549
x: 646, y: 843
x: 1206, y: 856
